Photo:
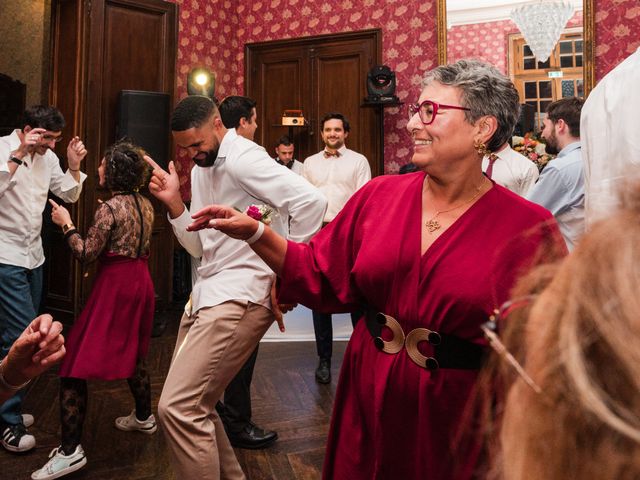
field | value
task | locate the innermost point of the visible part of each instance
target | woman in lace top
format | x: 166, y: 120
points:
x: 110, y: 338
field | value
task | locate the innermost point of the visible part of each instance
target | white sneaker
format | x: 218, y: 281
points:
x: 60, y: 464
x: 131, y: 423
x: 27, y: 420
x: 16, y: 438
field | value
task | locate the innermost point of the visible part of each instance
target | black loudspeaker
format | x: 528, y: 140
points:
x: 526, y: 121
x: 144, y: 118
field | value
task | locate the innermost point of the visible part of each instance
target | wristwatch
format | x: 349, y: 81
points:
x: 14, y: 159
x: 66, y: 227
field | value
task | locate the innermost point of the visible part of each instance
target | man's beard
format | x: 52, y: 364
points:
x: 206, y: 159
x: 551, y: 145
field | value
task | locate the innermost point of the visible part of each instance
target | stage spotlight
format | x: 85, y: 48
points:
x: 201, y: 81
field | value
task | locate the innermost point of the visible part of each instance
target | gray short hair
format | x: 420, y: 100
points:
x: 485, y: 91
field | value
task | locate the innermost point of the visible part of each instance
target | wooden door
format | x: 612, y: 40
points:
x: 316, y: 75
x: 100, y: 48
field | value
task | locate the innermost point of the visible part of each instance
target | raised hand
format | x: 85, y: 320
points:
x: 165, y: 186
x: 76, y: 152
x: 226, y: 219
x: 30, y: 139
x: 59, y: 214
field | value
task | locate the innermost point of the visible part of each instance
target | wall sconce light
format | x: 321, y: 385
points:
x: 201, y: 81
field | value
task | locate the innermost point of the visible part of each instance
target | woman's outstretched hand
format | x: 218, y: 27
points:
x: 226, y: 219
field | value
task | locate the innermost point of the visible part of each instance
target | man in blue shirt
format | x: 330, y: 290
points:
x: 560, y: 187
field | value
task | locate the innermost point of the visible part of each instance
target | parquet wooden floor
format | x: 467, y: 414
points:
x: 286, y: 398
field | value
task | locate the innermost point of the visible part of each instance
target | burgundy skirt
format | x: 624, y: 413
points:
x: 114, y: 328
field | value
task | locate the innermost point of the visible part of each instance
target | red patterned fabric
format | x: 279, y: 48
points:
x: 617, y: 32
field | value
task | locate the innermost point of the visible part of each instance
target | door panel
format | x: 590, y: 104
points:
x: 318, y: 75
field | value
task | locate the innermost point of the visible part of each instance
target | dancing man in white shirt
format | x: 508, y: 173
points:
x: 338, y: 173
x: 29, y: 169
x: 240, y: 113
x: 231, y: 299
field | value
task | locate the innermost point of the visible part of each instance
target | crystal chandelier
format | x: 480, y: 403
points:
x: 541, y: 24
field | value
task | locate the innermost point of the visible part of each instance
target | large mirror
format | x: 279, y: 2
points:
x: 483, y: 29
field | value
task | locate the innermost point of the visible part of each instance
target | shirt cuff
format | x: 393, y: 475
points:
x: 69, y: 183
x: 181, y: 222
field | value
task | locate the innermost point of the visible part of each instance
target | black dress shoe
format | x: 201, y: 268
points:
x: 323, y: 372
x: 252, y: 437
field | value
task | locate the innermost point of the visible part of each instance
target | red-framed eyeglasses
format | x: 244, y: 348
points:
x: 428, y: 110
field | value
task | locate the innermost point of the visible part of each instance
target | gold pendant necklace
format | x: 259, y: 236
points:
x: 432, y: 224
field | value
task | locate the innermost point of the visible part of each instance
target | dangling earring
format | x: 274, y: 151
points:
x: 481, y: 148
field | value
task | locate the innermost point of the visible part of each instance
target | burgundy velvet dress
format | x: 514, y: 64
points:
x: 391, y: 418
x: 114, y: 328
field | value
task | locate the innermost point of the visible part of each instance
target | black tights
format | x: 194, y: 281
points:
x: 73, y: 404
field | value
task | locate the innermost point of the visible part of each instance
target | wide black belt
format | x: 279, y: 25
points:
x: 449, y: 351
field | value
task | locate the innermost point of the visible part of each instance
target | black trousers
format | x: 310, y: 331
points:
x: 323, y: 328
x: 235, y: 412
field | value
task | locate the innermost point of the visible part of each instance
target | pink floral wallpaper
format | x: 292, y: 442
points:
x: 617, y: 32
x: 487, y: 41
x: 212, y: 33
x: 484, y: 41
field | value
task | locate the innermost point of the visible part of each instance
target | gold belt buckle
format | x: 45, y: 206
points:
x: 410, y: 342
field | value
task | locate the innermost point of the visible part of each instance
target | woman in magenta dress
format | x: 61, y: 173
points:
x: 434, y: 251
x: 110, y: 338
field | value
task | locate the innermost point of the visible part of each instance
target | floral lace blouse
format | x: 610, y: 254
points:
x: 117, y: 228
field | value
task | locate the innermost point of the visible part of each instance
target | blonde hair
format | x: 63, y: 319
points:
x: 583, y: 349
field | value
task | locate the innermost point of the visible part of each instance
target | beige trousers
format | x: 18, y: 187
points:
x: 212, y: 345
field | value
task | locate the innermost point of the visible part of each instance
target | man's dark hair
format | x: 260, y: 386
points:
x: 125, y: 167
x: 234, y: 108
x: 337, y: 116
x: 43, y: 116
x: 284, y: 140
x: 567, y: 109
x: 192, y: 112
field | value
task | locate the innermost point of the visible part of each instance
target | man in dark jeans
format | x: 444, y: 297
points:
x: 240, y: 113
x: 29, y: 170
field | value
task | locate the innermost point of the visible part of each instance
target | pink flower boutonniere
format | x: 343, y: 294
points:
x: 262, y: 213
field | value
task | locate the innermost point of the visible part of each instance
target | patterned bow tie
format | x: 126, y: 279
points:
x: 329, y: 154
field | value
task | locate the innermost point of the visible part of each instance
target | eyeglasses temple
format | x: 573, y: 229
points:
x: 501, y: 350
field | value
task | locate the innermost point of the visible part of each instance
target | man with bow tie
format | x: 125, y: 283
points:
x: 338, y: 173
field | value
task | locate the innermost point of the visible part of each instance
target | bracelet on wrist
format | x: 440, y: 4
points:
x: 256, y: 236
x: 6, y: 385
x: 67, y: 227
x: 18, y: 161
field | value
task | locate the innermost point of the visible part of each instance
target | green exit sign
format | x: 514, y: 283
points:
x: 555, y: 74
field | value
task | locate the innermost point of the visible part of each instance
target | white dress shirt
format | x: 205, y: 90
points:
x: 560, y: 189
x: 512, y: 170
x: 23, y: 197
x: 609, y: 134
x: 243, y: 175
x: 295, y: 166
x: 337, y: 177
